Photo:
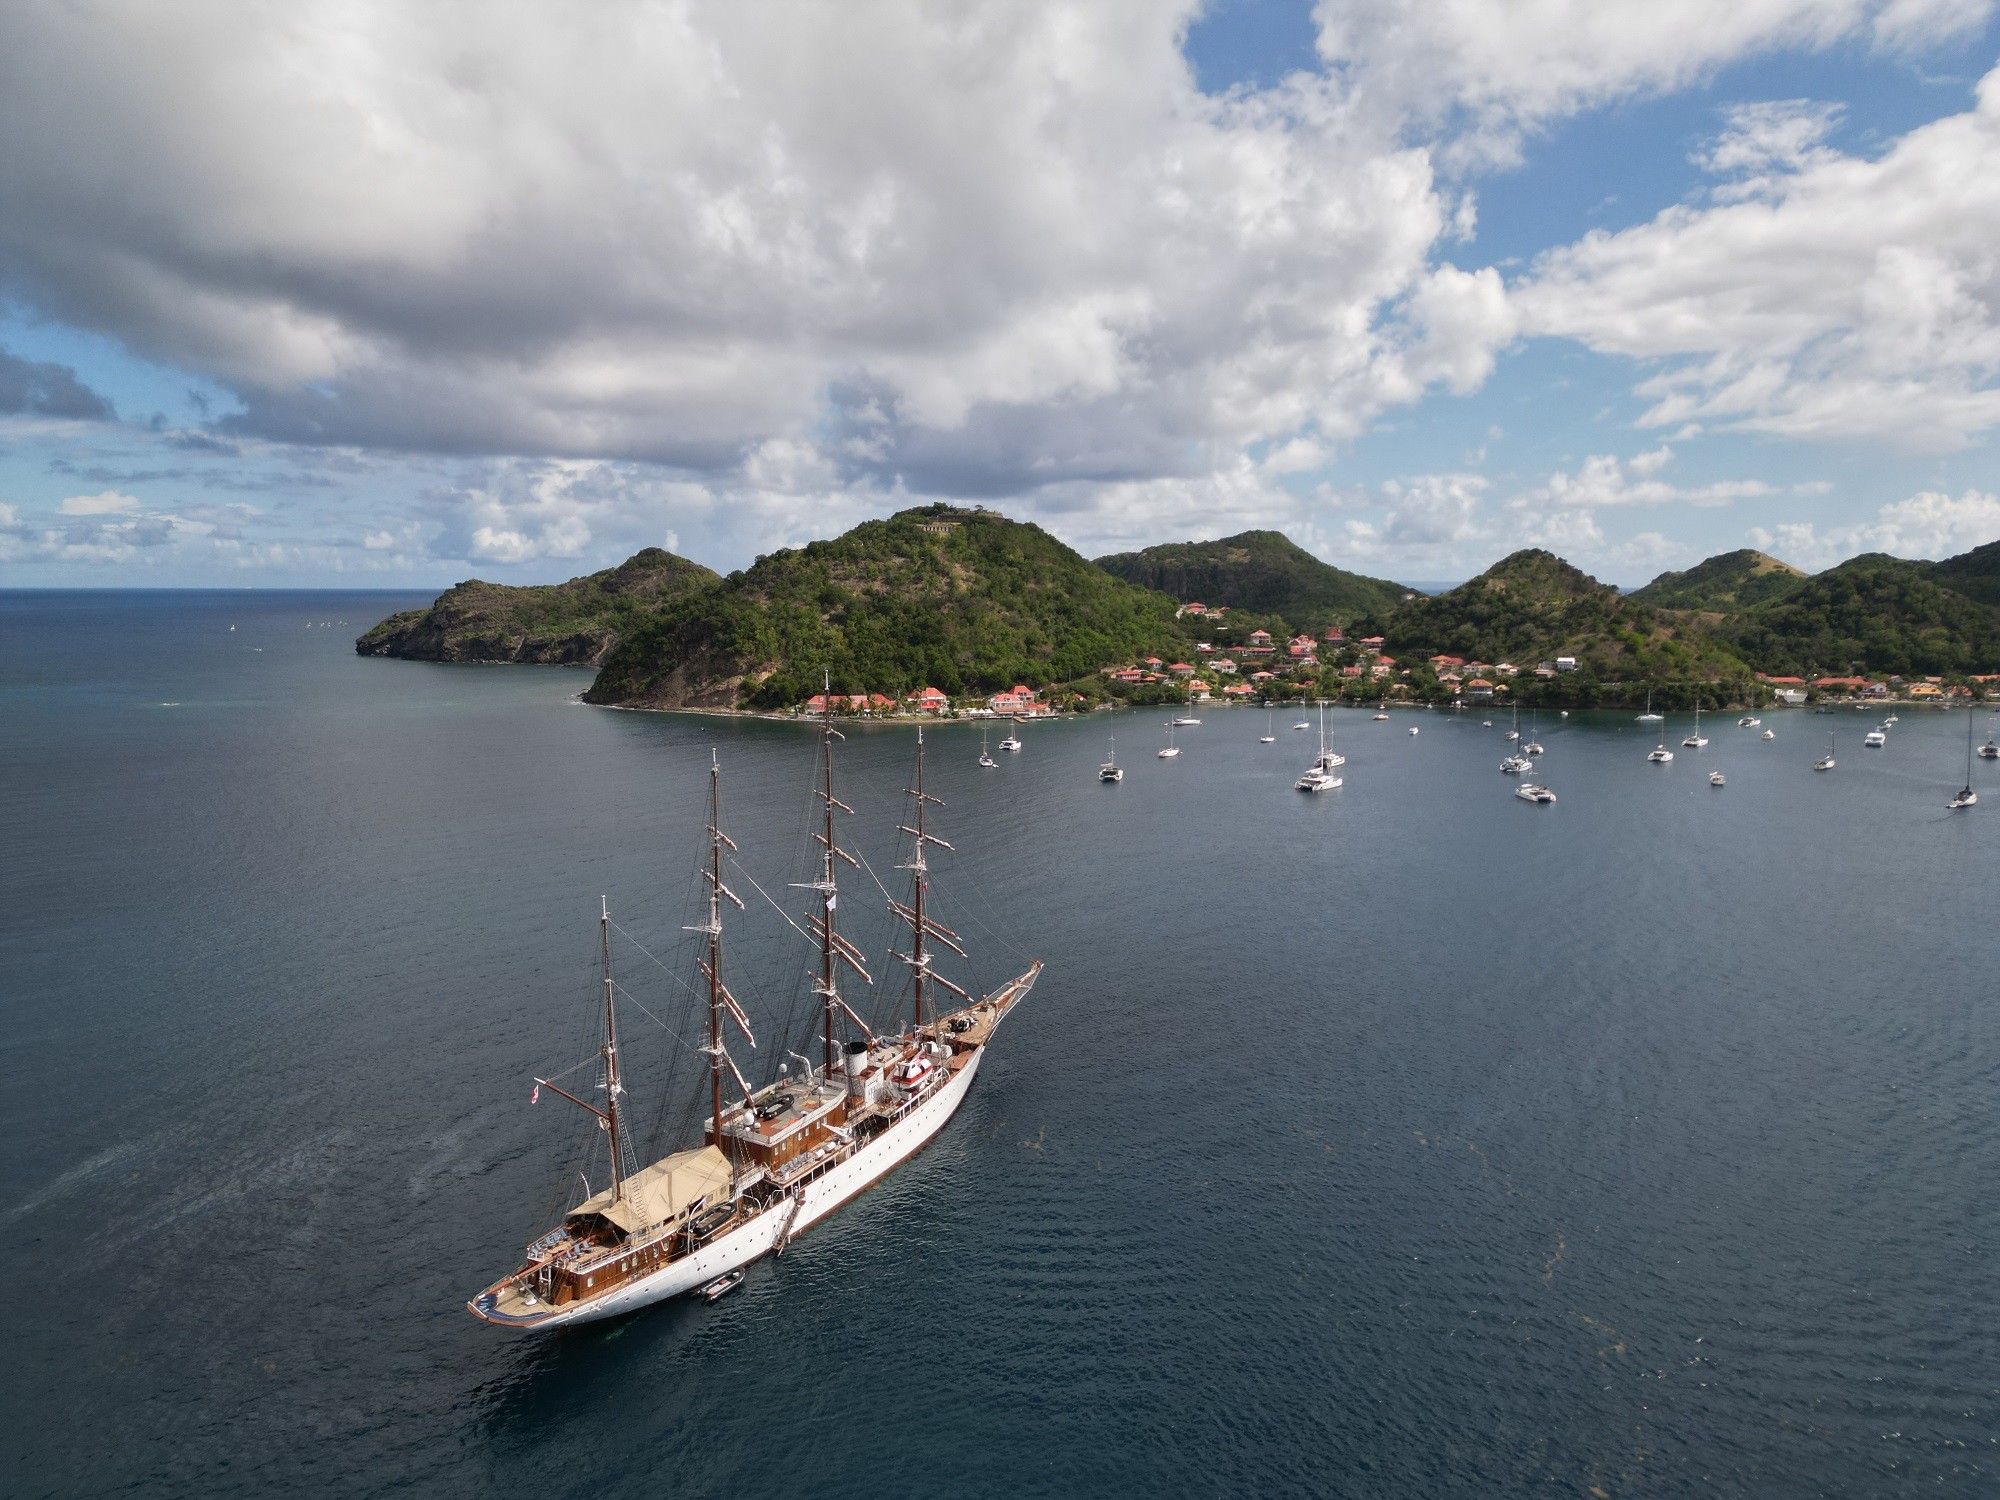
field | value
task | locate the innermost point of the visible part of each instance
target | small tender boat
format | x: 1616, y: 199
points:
x: 1770, y: 734
x: 1528, y: 791
x: 1381, y: 718
x: 1715, y: 779
x: 1748, y: 721
x: 1485, y: 723
x: 1413, y: 729
x: 722, y: 1286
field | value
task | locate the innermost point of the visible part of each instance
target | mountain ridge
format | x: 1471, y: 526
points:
x: 1259, y: 572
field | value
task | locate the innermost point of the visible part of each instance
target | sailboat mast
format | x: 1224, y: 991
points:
x: 828, y: 894
x: 715, y: 948
x: 919, y: 872
x: 612, y: 1087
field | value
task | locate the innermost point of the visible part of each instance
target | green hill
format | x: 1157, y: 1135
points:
x: 561, y: 624
x: 1533, y: 607
x: 1975, y: 574
x: 1726, y: 584
x: 1875, y: 614
x: 1262, y: 572
x: 953, y: 599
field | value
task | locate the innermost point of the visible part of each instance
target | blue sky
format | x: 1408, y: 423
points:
x: 395, y: 298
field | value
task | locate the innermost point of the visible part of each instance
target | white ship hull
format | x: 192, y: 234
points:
x: 759, y: 1237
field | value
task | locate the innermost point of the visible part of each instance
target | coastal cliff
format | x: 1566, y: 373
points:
x: 573, y: 624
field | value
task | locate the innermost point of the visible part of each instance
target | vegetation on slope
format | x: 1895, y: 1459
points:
x: 1728, y: 584
x: 1264, y: 572
x: 1873, y: 614
x: 1975, y: 574
x: 1532, y: 607
x: 954, y: 599
x: 562, y: 624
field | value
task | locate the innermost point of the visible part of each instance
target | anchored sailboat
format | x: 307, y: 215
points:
x: 1968, y: 797
x: 786, y: 1155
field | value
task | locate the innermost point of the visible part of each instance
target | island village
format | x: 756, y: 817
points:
x: 1259, y: 669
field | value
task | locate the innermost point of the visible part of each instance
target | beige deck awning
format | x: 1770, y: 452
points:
x: 665, y: 1190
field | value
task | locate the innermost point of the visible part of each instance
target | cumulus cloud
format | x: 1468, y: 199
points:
x: 984, y: 249
x: 1930, y: 524
x: 1844, y: 298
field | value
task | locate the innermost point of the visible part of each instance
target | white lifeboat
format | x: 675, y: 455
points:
x: 911, y: 1072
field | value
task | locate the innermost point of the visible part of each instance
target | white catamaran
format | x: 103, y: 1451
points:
x: 785, y: 1155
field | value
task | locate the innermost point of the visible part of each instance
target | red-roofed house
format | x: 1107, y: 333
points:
x: 928, y: 701
x: 1018, y: 700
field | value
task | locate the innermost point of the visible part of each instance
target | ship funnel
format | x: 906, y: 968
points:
x: 857, y: 1066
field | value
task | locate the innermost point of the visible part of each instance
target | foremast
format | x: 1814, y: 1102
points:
x: 923, y: 926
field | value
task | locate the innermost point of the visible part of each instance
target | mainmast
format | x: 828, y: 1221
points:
x: 833, y: 948
x: 612, y: 1087
x: 719, y: 998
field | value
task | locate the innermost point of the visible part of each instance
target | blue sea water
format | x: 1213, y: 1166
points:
x: 1407, y: 1140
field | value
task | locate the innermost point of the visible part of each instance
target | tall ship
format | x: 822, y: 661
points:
x: 774, y: 1160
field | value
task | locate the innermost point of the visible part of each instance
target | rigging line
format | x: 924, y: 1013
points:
x: 738, y: 868
x: 653, y: 1018
x: 672, y: 973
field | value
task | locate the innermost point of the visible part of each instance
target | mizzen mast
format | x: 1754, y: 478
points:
x: 612, y: 1087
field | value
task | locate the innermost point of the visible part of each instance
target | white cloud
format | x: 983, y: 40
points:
x: 110, y: 502
x: 1771, y: 137
x: 1930, y: 524
x: 1601, y: 480
x: 978, y: 248
x: 1488, y: 70
x: 1846, y: 299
